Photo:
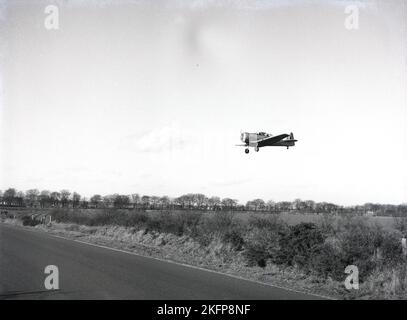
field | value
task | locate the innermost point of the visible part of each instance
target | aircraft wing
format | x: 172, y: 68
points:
x: 269, y: 141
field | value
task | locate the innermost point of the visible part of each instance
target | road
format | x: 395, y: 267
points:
x: 92, y: 272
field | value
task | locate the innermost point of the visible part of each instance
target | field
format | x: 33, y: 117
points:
x: 293, y: 219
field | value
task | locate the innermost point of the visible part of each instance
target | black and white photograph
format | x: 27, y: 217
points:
x: 203, y: 150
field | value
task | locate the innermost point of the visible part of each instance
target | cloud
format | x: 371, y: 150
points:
x: 167, y: 138
x: 231, y: 182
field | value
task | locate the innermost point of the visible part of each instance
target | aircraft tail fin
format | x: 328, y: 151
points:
x: 292, y: 137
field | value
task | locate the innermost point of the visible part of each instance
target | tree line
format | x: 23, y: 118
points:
x: 34, y: 198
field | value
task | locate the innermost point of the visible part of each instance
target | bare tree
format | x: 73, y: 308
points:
x: 145, y: 200
x: 10, y: 196
x: 310, y: 205
x: 186, y: 200
x: 229, y: 203
x: 121, y: 201
x: 283, y: 206
x: 165, y: 202
x: 32, y: 197
x: 135, y: 199
x: 44, y: 198
x: 154, y: 201
x: 109, y: 199
x: 65, y: 197
x: 271, y: 205
x: 200, y: 200
x: 84, y: 203
x: 55, y: 198
x: 76, y: 198
x: 298, y: 205
x: 258, y: 204
x: 189, y: 199
x: 95, y: 200
x: 214, y: 203
x: 20, y: 198
x: 180, y: 202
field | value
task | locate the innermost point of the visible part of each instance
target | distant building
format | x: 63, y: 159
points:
x: 369, y: 213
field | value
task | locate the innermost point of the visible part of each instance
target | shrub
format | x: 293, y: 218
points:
x: 260, y: 246
x: 387, y: 283
x: 273, y: 223
x: 400, y: 224
x: 137, y: 219
x: 234, y: 236
x: 327, y: 224
x: 166, y: 222
x: 216, y: 225
x: 108, y: 217
x: 327, y: 261
x: 299, y: 244
x: 391, y: 249
x: 63, y: 215
x: 203, y: 238
x: 220, y: 222
x: 263, y: 241
x: 358, y: 243
x: 190, y: 222
x: 28, y: 221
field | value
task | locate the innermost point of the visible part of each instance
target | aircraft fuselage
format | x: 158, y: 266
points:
x: 262, y: 139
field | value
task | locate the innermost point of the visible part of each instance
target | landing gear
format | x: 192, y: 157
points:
x: 246, y: 150
x: 256, y: 149
x: 287, y: 148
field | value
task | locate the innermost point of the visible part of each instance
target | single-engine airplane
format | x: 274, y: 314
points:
x: 262, y: 139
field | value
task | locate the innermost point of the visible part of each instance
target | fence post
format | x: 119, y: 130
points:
x: 393, y: 288
x: 404, y: 246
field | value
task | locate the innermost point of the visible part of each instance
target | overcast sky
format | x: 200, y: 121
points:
x: 135, y: 97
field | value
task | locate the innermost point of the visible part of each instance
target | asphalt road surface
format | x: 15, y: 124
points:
x: 91, y: 272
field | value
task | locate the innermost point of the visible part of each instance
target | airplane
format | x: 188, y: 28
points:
x: 262, y: 139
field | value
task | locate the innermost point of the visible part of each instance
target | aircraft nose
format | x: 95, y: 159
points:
x: 244, y: 137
